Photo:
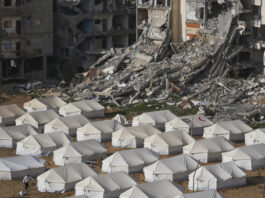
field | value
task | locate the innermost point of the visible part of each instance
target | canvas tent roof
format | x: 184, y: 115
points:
x: 233, y: 126
x: 141, y: 132
x: 215, y: 144
x: 16, y: 132
x: 157, y: 189
x: 120, y: 118
x: 48, y: 102
x: 132, y: 157
x: 155, y: 117
x: 67, y: 174
x: 222, y: 171
x: 181, y: 163
x: 253, y: 152
x: 107, y: 182
x: 71, y: 122
x: 196, y: 121
x: 84, y: 148
x: 12, y: 110
x: 84, y: 105
x: 46, y: 140
x: 204, y: 194
x: 20, y: 163
x: 105, y: 126
x: 39, y: 117
x: 170, y: 139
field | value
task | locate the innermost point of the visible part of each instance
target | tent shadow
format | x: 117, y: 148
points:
x: 255, y: 180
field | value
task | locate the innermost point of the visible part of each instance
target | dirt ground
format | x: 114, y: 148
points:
x: 255, y: 187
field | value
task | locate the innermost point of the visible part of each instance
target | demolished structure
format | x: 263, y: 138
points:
x: 224, y: 36
x: 87, y: 28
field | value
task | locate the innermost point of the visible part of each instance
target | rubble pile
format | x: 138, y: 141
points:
x: 155, y: 69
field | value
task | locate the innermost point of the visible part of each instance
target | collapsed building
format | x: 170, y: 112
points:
x: 26, y: 38
x: 87, y: 28
x: 182, y: 46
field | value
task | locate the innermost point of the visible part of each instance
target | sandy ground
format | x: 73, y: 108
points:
x: 253, y: 189
x: 9, y: 189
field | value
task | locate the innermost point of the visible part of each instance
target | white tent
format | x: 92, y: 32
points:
x: 208, y: 150
x: 121, y: 119
x: 247, y: 157
x: 9, y: 113
x: 44, y: 104
x: 204, y: 194
x: 105, y: 186
x: 255, y: 137
x: 217, y: 176
x: 168, y: 143
x: 89, y: 108
x: 42, y: 144
x: 157, y: 189
x: 156, y: 118
x: 233, y: 130
x: 17, y: 167
x: 174, y: 169
x: 80, y: 196
x: 133, y: 137
x: 64, y: 178
x: 100, y: 130
x: 192, y: 124
x: 9, y: 136
x: 77, y: 152
x: 37, y: 119
x: 129, y: 161
x: 69, y: 124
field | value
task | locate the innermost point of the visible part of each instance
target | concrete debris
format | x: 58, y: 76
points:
x: 155, y: 69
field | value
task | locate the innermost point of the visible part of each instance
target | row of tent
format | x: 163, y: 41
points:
x: 143, y: 190
x: 88, y: 108
x: 61, y: 179
x: 42, y: 115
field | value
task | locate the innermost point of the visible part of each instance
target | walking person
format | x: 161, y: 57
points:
x: 26, y: 182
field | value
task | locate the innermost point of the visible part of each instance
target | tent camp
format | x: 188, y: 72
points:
x: 64, y: 178
x: 168, y: 143
x: 156, y: 118
x: 233, y: 130
x: 157, y: 189
x: 133, y: 137
x: 42, y: 144
x: 192, y: 124
x: 44, y: 104
x: 121, y: 119
x: 88, y: 108
x: 69, y: 124
x: 9, y: 113
x: 105, y: 186
x: 77, y: 152
x: 204, y: 194
x: 255, y: 137
x: 216, y: 176
x: 100, y: 130
x: 17, y: 167
x: 249, y: 157
x: 129, y: 161
x: 9, y: 136
x: 174, y: 169
x: 208, y: 150
x: 37, y: 119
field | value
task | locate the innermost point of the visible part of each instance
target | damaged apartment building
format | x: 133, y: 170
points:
x: 246, y: 47
x: 87, y: 28
x: 26, y: 38
x: 188, y: 19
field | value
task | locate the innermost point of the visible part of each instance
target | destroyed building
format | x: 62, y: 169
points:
x: 87, y: 28
x: 26, y: 38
